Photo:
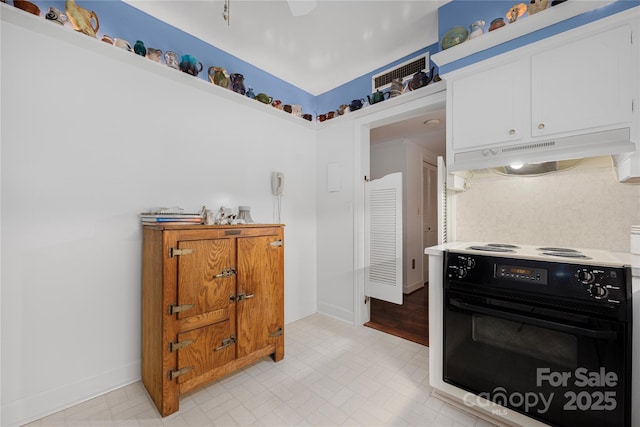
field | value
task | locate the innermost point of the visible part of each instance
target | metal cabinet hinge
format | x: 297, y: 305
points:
x: 175, y: 373
x: 277, y: 243
x: 173, y: 346
x: 226, y: 343
x: 176, y: 252
x: 175, y: 308
x: 226, y: 272
x: 277, y: 333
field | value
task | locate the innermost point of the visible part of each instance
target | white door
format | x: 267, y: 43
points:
x: 383, y: 238
x: 430, y: 212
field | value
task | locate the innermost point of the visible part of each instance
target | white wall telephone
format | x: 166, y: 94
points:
x: 277, y: 183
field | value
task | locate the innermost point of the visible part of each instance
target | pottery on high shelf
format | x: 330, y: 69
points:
x: 497, y: 23
x: 218, y: 76
x: 516, y: 12
x: 54, y: 15
x: 453, y: 37
x: 154, y: 54
x: 82, y: 19
x: 139, y: 48
x: 122, y: 44
x: 396, y: 88
x: 237, y: 83
x: 27, y: 6
x: 536, y: 6
x: 264, y: 98
x: 190, y: 65
x: 171, y: 59
x: 476, y: 29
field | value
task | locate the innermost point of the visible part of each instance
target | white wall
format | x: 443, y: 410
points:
x: 91, y: 136
x: 335, y: 227
x: 584, y: 207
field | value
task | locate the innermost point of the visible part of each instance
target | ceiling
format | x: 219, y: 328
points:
x: 316, y: 45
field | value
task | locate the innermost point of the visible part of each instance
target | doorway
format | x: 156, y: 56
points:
x: 410, y: 320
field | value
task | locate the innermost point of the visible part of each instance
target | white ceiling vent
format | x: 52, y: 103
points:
x: 404, y: 71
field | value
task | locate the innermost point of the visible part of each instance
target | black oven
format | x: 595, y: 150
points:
x: 551, y: 340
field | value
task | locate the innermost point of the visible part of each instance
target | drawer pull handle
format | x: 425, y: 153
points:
x: 541, y: 126
x: 226, y: 343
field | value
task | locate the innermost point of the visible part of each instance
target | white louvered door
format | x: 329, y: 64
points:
x: 383, y: 240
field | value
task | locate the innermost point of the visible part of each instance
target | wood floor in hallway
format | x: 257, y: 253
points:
x: 409, y: 320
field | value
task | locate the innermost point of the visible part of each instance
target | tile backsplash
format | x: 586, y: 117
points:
x: 583, y: 207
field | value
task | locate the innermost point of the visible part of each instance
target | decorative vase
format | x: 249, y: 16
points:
x: 237, y: 83
x: 82, y: 19
x: 139, y: 48
x: 476, y: 29
x: 496, y: 23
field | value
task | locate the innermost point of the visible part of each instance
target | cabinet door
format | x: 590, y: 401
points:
x: 205, y: 348
x: 582, y: 85
x: 260, y: 278
x: 202, y: 281
x: 487, y: 107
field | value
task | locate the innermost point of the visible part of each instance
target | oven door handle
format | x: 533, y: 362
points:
x: 574, y: 330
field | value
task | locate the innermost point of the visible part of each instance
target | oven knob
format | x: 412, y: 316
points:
x: 598, y: 291
x: 462, y: 272
x: 585, y: 276
x: 471, y: 262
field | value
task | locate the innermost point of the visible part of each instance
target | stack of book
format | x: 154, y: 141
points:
x: 170, y: 217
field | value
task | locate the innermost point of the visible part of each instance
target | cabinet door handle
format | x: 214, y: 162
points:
x: 512, y: 131
x: 541, y: 126
x: 243, y: 295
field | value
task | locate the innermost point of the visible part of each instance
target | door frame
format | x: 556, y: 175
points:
x: 362, y: 164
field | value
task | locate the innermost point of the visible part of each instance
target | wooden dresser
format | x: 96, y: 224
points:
x: 212, y: 303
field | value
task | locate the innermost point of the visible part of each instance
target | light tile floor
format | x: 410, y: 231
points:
x: 333, y: 374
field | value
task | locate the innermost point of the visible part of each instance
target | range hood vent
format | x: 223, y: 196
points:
x: 404, y: 71
x: 572, y: 147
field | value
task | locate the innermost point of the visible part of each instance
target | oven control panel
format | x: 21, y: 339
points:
x: 596, y: 284
x: 601, y: 284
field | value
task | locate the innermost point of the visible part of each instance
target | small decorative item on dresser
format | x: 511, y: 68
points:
x: 82, y: 19
x: 536, y: 6
x: 27, y: 6
x: 476, y: 29
x: 516, y: 12
x: 139, y: 48
x: 497, y: 23
x: 250, y: 93
x: 453, y: 37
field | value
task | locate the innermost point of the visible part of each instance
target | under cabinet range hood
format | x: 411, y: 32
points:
x: 571, y: 147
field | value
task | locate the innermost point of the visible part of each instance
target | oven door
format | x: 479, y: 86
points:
x: 562, y: 369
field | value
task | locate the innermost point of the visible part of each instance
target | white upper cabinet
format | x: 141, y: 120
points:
x: 582, y: 85
x: 487, y: 106
x: 567, y: 96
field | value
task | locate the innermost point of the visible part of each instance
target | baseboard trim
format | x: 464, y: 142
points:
x: 336, y: 312
x: 412, y: 287
x: 32, y: 408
